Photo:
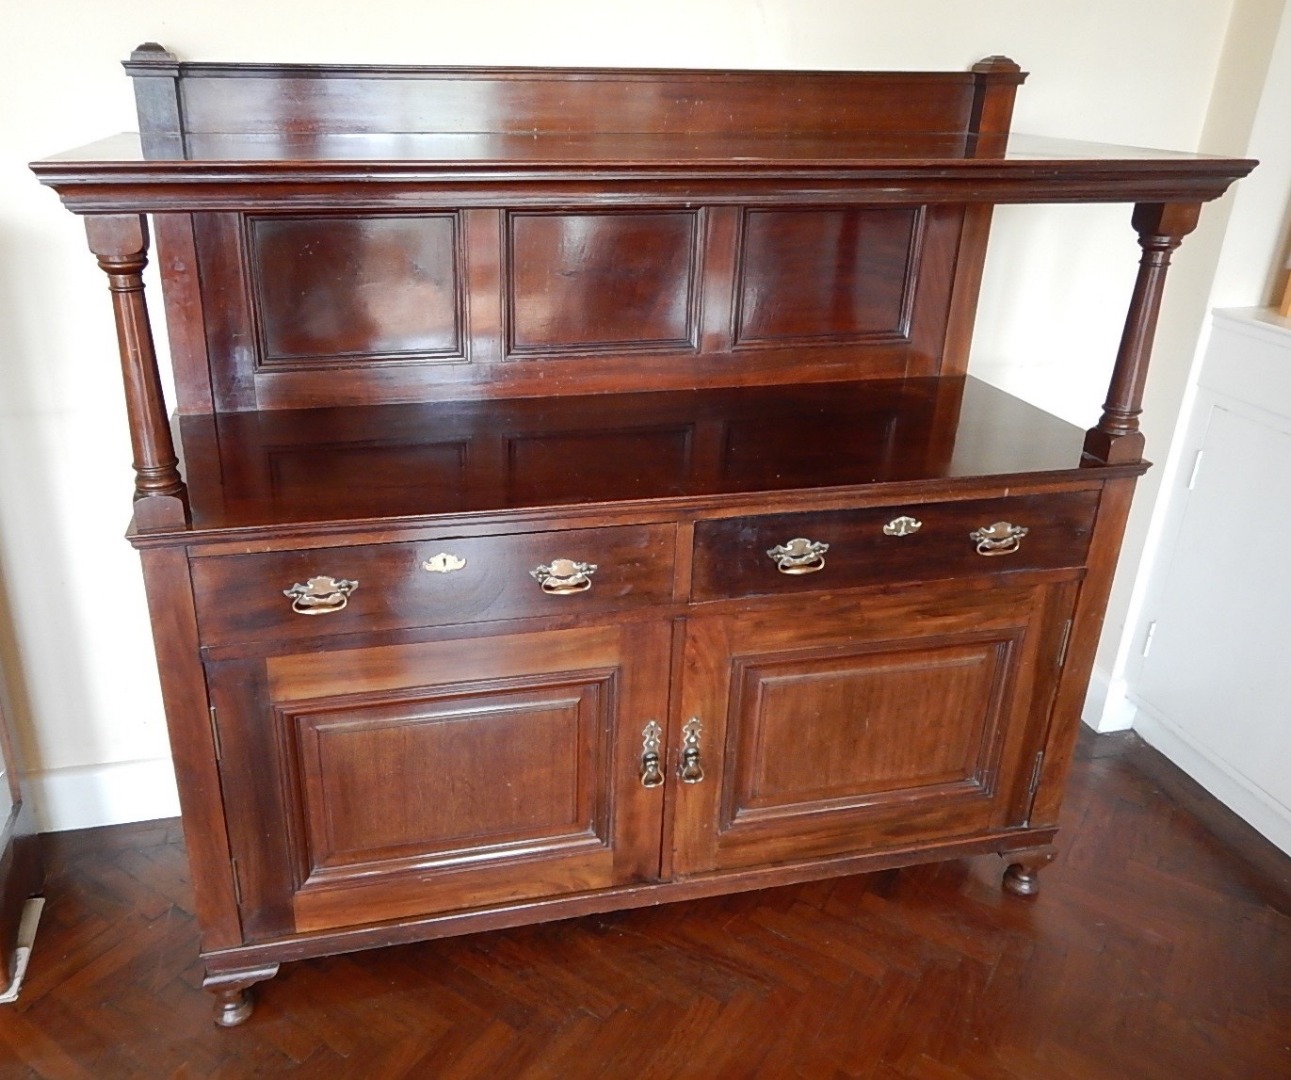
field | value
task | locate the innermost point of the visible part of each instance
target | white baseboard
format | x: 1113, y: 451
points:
x: 112, y: 794
x: 1107, y: 704
x: 1249, y: 802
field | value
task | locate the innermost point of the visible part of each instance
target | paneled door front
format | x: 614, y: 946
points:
x: 410, y: 779
x: 838, y: 725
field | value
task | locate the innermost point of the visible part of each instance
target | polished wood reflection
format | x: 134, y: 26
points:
x: 356, y: 287
x: 844, y: 274
x: 460, y: 457
x: 601, y: 281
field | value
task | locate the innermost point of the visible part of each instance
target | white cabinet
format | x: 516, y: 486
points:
x: 1212, y: 680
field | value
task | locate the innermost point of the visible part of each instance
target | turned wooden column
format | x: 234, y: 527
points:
x: 120, y: 241
x: 1161, y: 228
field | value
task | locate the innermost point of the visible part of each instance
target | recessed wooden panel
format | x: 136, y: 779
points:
x: 363, y: 479
x: 355, y: 287
x: 580, y: 282
x: 445, y: 779
x: 835, y: 275
x: 834, y: 724
x: 853, y: 729
x: 583, y: 465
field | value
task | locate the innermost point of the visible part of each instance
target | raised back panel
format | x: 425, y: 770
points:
x: 601, y: 281
x: 362, y: 308
x: 579, y: 247
x: 332, y: 288
x: 317, y: 99
x: 839, y: 274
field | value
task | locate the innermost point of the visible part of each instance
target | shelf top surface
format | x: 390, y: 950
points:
x: 192, y: 152
x: 649, y: 451
x: 291, y: 172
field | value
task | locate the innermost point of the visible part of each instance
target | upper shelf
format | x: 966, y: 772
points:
x: 223, y: 136
x: 878, y: 167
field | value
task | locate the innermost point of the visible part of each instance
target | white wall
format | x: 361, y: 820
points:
x: 1240, y: 239
x: 73, y: 629
x: 1220, y: 710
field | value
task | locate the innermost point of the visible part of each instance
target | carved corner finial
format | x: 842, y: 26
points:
x: 151, y: 59
x: 997, y: 63
x: 151, y: 50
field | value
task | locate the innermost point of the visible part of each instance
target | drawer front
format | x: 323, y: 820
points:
x: 900, y: 543
x: 339, y: 590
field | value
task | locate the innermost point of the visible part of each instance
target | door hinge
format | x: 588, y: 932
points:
x: 1036, y: 769
x: 1062, y: 645
x: 237, y: 880
x: 215, y: 735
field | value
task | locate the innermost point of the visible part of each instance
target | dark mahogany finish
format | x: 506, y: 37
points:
x: 498, y: 391
x: 333, y: 288
x: 731, y: 553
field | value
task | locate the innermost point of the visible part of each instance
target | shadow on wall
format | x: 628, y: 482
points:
x: 16, y: 376
x: 44, y: 646
x: 17, y: 702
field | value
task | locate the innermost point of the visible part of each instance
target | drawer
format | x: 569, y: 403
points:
x: 873, y: 546
x: 435, y: 582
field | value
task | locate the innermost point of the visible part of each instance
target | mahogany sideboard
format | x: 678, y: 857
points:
x: 584, y: 502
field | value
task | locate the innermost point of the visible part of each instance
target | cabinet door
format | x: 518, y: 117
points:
x: 833, y: 726
x: 396, y: 781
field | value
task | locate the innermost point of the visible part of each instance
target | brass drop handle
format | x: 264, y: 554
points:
x: 563, y: 577
x: 651, y: 769
x: 799, y: 556
x: 320, y: 595
x: 1002, y: 538
x: 691, y: 771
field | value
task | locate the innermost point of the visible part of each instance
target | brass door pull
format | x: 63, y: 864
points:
x: 691, y: 771
x: 799, y: 556
x: 320, y: 595
x: 563, y: 577
x: 651, y: 769
x: 1002, y: 538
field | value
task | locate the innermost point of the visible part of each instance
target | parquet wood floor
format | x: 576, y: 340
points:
x: 1159, y: 946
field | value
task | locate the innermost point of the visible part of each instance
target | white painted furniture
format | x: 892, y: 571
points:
x: 1212, y: 678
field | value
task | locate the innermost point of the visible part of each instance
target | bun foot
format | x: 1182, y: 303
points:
x: 1022, y: 875
x: 232, y: 990
x: 233, y: 1007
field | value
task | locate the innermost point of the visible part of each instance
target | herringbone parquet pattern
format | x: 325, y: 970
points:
x: 1159, y: 946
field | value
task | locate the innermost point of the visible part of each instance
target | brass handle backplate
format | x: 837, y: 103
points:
x: 690, y: 770
x: 651, y: 769
x: 562, y: 577
x: 320, y: 595
x: 799, y: 556
x: 1002, y: 538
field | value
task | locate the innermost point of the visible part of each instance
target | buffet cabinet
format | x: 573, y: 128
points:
x: 584, y: 501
